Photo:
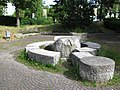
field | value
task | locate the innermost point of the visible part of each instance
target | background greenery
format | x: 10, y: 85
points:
x: 113, y: 24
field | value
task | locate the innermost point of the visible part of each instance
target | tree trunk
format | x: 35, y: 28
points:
x: 117, y: 10
x: 17, y: 17
x: 101, y: 8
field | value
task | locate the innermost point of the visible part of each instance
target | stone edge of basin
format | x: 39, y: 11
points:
x: 41, y: 55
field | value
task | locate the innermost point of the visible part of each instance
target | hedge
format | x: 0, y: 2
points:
x: 112, y: 24
x: 7, y: 21
x: 42, y: 21
x: 11, y: 21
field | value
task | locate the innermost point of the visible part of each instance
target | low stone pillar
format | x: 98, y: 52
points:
x: 96, y: 68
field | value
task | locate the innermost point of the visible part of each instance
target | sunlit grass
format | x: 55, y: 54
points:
x: 110, y: 52
x: 70, y: 71
x: 23, y: 58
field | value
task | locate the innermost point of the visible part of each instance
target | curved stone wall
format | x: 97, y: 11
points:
x: 96, y: 68
x: 43, y: 56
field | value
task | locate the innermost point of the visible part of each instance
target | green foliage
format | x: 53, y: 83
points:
x: 56, y: 28
x: 38, y: 13
x: 110, y: 53
x: 23, y: 58
x: 2, y: 10
x: 108, y: 3
x: 105, y: 6
x: 21, y: 4
x: 71, y: 71
x: 35, y: 6
x: 11, y: 21
x: 73, y: 13
x: 114, y: 54
x: 41, y: 21
x: 95, y: 27
x: 46, y: 21
x: 3, y: 4
x: 113, y: 24
x: 7, y: 21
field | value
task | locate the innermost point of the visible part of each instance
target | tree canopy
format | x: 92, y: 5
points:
x: 79, y: 12
x: 73, y: 13
x: 3, y: 4
x: 30, y: 5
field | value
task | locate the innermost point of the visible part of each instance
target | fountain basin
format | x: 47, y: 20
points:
x: 41, y: 55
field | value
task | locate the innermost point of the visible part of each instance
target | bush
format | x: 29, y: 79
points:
x: 42, y: 21
x: 7, y: 21
x: 112, y: 23
x: 11, y: 21
x: 25, y: 21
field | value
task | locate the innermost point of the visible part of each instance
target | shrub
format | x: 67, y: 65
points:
x: 42, y: 21
x: 25, y: 21
x: 11, y: 21
x: 112, y: 23
x: 7, y: 21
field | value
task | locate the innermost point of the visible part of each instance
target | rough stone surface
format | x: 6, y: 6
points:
x: 37, y: 45
x: 86, y: 49
x: 75, y: 57
x: 41, y: 55
x: 44, y: 56
x: 59, y: 37
x: 92, y: 45
x: 99, y: 69
x: 66, y: 45
x: 19, y: 35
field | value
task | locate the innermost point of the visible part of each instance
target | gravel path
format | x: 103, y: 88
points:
x: 16, y: 76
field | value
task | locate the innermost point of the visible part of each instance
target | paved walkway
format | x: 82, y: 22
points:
x: 16, y: 76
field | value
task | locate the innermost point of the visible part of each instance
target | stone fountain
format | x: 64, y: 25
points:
x: 79, y: 53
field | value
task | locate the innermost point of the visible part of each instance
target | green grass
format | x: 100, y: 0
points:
x: 95, y: 27
x: 1, y: 47
x: 57, y: 28
x: 23, y: 58
x: 69, y: 71
x: 113, y: 53
x: 63, y: 67
x: 110, y: 52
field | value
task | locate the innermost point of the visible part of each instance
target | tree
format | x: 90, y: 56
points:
x: 35, y: 6
x: 19, y: 4
x: 107, y: 5
x: 73, y: 13
x: 25, y: 5
x: 38, y: 13
x: 1, y: 10
x: 3, y: 4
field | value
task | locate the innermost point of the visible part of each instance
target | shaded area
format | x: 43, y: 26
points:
x: 8, y: 21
